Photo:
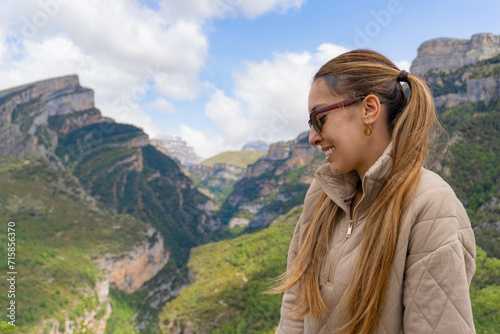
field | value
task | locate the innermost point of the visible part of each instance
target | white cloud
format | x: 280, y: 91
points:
x: 205, y: 145
x: 118, y: 36
x: 160, y: 105
x: 403, y: 65
x: 327, y: 51
x: 206, y: 9
x: 254, y: 8
x: 269, y: 99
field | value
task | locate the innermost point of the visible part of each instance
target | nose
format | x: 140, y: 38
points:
x: 314, y: 137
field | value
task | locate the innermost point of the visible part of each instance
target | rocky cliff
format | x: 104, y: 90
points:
x: 217, y: 175
x: 129, y: 272
x: 57, y: 120
x: 178, y: 148
x: 284, y: 156
x: 453, y: 52
x: 273, y: 184
x: 26, y: 111
x: 475, y: 82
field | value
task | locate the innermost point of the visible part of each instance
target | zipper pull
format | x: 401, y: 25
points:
x: 349, y: 228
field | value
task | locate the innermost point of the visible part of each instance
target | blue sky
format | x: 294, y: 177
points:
x: 218, y: 73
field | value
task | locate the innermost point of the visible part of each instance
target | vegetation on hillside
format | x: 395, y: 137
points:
x: 454, y: 80
x: 59, y: 231
x: 228, y: 280
x: 473, y: 167
x: 138, y: 180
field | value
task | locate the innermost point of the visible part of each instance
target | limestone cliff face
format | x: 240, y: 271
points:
x: 26, y: 111
x: 478, y: 90
x: 453, y: 52
x: 130, y: 272
x: 284, y: 156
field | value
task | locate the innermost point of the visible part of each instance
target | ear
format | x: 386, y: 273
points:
x: 372, y: 108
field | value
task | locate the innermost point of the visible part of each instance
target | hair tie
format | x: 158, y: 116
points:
x: 403, y: 76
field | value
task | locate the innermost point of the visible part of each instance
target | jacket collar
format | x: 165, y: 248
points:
x: 341, y: 188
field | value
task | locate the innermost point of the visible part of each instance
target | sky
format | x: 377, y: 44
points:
x: 217, y: 73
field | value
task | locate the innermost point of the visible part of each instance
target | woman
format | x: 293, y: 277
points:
x: 383, y: 245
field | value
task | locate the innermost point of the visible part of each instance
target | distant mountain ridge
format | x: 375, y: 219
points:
x: 272, y: 185
x: 453, y: 52
x: 177, y: 148
x: 258, y: 145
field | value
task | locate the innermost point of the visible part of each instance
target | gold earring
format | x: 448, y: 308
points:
x: 368, y: 131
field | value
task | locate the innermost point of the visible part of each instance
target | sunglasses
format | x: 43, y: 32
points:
x: 314, y: 115
x: 314, y: 119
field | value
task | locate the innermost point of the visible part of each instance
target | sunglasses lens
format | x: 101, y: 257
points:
x: 316, y: 123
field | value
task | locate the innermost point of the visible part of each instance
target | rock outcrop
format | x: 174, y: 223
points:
x: 179, y: 149
x: 26, y: 113
x: 273, y: 184
x: 478, y: 90
x: 130, y: 272
x: 453, y: 52
x: 284, y: 155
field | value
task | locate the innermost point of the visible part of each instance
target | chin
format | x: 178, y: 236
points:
x: 336, y: 170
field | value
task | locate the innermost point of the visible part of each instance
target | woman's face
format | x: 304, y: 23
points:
x: 341, y: 138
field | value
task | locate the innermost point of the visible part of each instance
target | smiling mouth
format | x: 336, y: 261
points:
x: 329, y: 152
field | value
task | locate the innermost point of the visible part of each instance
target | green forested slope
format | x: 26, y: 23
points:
x: 138, y: 180
x: 473, y: 167
x: 228, y: 280
x: 58, y: 233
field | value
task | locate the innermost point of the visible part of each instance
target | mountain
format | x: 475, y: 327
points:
x: 257, y: 145
x: 177, y: 148
x: 56, y: 121
x: 468, y: 102
x: 239, y: 159
x: 273, y: 184
x: 216, y: 176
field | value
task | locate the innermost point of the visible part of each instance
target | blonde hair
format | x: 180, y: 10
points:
x: 410, y: 123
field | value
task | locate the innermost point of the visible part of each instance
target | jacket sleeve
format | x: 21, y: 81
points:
x: 439, y: 267
x: 288, y: 323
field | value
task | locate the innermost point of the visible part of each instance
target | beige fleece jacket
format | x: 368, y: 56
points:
x: 433, y: 265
